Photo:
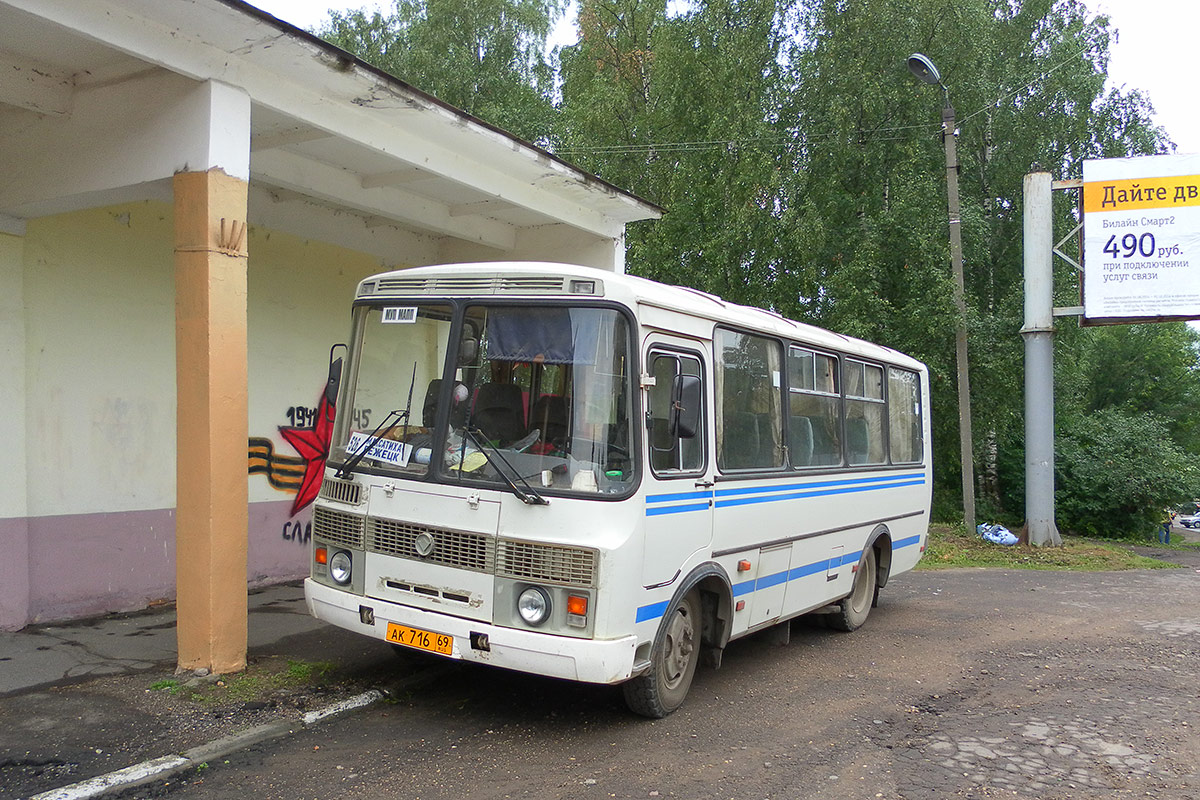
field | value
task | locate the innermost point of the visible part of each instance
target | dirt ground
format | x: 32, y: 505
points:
x: 964, y: 683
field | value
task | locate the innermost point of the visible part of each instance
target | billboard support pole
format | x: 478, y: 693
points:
x: 1038, y: 333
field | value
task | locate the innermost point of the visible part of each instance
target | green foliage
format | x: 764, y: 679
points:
x: 483, y: 56
x: 1117, y: 471
x: 802, y: 169
x: 690, y: 103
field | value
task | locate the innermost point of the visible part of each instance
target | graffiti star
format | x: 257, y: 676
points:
x: 313, y: 446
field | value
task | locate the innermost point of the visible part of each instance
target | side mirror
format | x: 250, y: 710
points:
x: 468, y: 351
x: 685, y: 406
x: 335, y: 376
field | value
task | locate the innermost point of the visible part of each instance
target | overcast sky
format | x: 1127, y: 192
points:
x: 1154, y: 52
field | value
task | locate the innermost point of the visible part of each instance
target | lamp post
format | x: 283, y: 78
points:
x: 923, y: 68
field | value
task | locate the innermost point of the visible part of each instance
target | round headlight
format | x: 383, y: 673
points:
x: 533, y: 605
x: 339, y: 567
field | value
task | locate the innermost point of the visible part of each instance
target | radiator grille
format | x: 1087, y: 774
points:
x: 338, y: 527
x: 473, y: 284
x: 546, y: 563
x: 473, y: 551
x: 343, y: 491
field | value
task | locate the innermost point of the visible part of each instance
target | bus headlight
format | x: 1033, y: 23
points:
x: 534, y: 605
x: 340, y: 567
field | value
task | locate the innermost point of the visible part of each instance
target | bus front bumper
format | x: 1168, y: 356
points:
x: 586, y: 660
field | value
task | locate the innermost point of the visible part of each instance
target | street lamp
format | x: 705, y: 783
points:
x: 920, y: 66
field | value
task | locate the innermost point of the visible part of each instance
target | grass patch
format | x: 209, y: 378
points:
x: 257, y: 682
x: 1177, y: 543
x: 952, y: 547
x: 264, y: 678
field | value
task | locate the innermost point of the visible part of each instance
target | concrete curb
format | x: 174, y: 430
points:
x: 166, y: 766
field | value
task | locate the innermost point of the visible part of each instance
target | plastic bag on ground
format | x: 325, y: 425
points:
x: 996, y: 534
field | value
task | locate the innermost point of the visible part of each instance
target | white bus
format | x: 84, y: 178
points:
x: 593, y: 476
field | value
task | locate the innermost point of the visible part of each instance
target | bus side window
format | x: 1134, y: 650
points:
x: 670, y: 453
x: 749, y: 415
x: 865, y: 442
x: 814, y: 409
x: 904, y: 415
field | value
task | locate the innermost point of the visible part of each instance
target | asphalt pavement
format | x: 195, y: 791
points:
x: 94, y: 706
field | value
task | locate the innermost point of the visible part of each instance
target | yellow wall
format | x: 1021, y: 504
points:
x: 99, y: 289
x: 300, y: 297
x: 93, y: 388
x: 12, y: 368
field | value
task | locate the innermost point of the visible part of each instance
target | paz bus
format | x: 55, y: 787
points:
x: 592, y: 476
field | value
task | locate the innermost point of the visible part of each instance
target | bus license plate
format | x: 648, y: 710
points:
x: 422, y: 640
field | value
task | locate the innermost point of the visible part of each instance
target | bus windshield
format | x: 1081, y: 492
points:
x: 534, y: 395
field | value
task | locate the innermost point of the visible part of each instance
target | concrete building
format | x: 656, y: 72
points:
x: 191, y: 191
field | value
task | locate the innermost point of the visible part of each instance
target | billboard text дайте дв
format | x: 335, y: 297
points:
x: 1141, y: 249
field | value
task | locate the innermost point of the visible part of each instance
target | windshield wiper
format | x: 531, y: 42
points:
x: 369, y: 443
x: 347, y: 469
x: 529, y: 495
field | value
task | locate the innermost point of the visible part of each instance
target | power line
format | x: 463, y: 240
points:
x: 795, y: 139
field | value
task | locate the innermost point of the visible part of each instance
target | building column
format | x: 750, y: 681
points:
x: 212, y: 413
x: 14, y: 465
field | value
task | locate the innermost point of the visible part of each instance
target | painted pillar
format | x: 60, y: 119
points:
x: 14, y: 490
x: 212, y: 425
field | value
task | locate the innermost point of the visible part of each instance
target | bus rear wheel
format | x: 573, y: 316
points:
x: 661, y: 689
x: 855, y: 608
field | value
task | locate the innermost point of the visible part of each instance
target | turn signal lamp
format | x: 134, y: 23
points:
x: 321, y: 555
x: 577, y: 604
x: 743, y: 565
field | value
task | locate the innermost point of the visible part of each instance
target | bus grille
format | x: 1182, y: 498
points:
x: 343, y: 491
x: 472, y: 284
x: 338, y: 527
x: 471, y: 551
x: 546, y: 563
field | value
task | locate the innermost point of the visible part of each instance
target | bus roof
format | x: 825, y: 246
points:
x: 544, y: 280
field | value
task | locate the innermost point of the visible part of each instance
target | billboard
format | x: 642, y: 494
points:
x: 1141, y: 239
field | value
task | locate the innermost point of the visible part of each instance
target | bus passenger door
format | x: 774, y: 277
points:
x: 679, y: 474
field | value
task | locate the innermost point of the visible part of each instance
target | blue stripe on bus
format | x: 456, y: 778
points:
x: 655, y: 512
x: 656, y: 610
x: 745, y: 501
x: 771, y: 580
x: 668, y: 498
x: 754, y: 495
x: 817, y: 484
x: 808, y: 569
x: 653, y: 611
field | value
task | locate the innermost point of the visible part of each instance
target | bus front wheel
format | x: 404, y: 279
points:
x: 662, y: 688
x: 854, y: 609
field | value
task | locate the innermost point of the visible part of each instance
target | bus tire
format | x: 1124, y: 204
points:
x: 856, y: 607
x: 662, y: 688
